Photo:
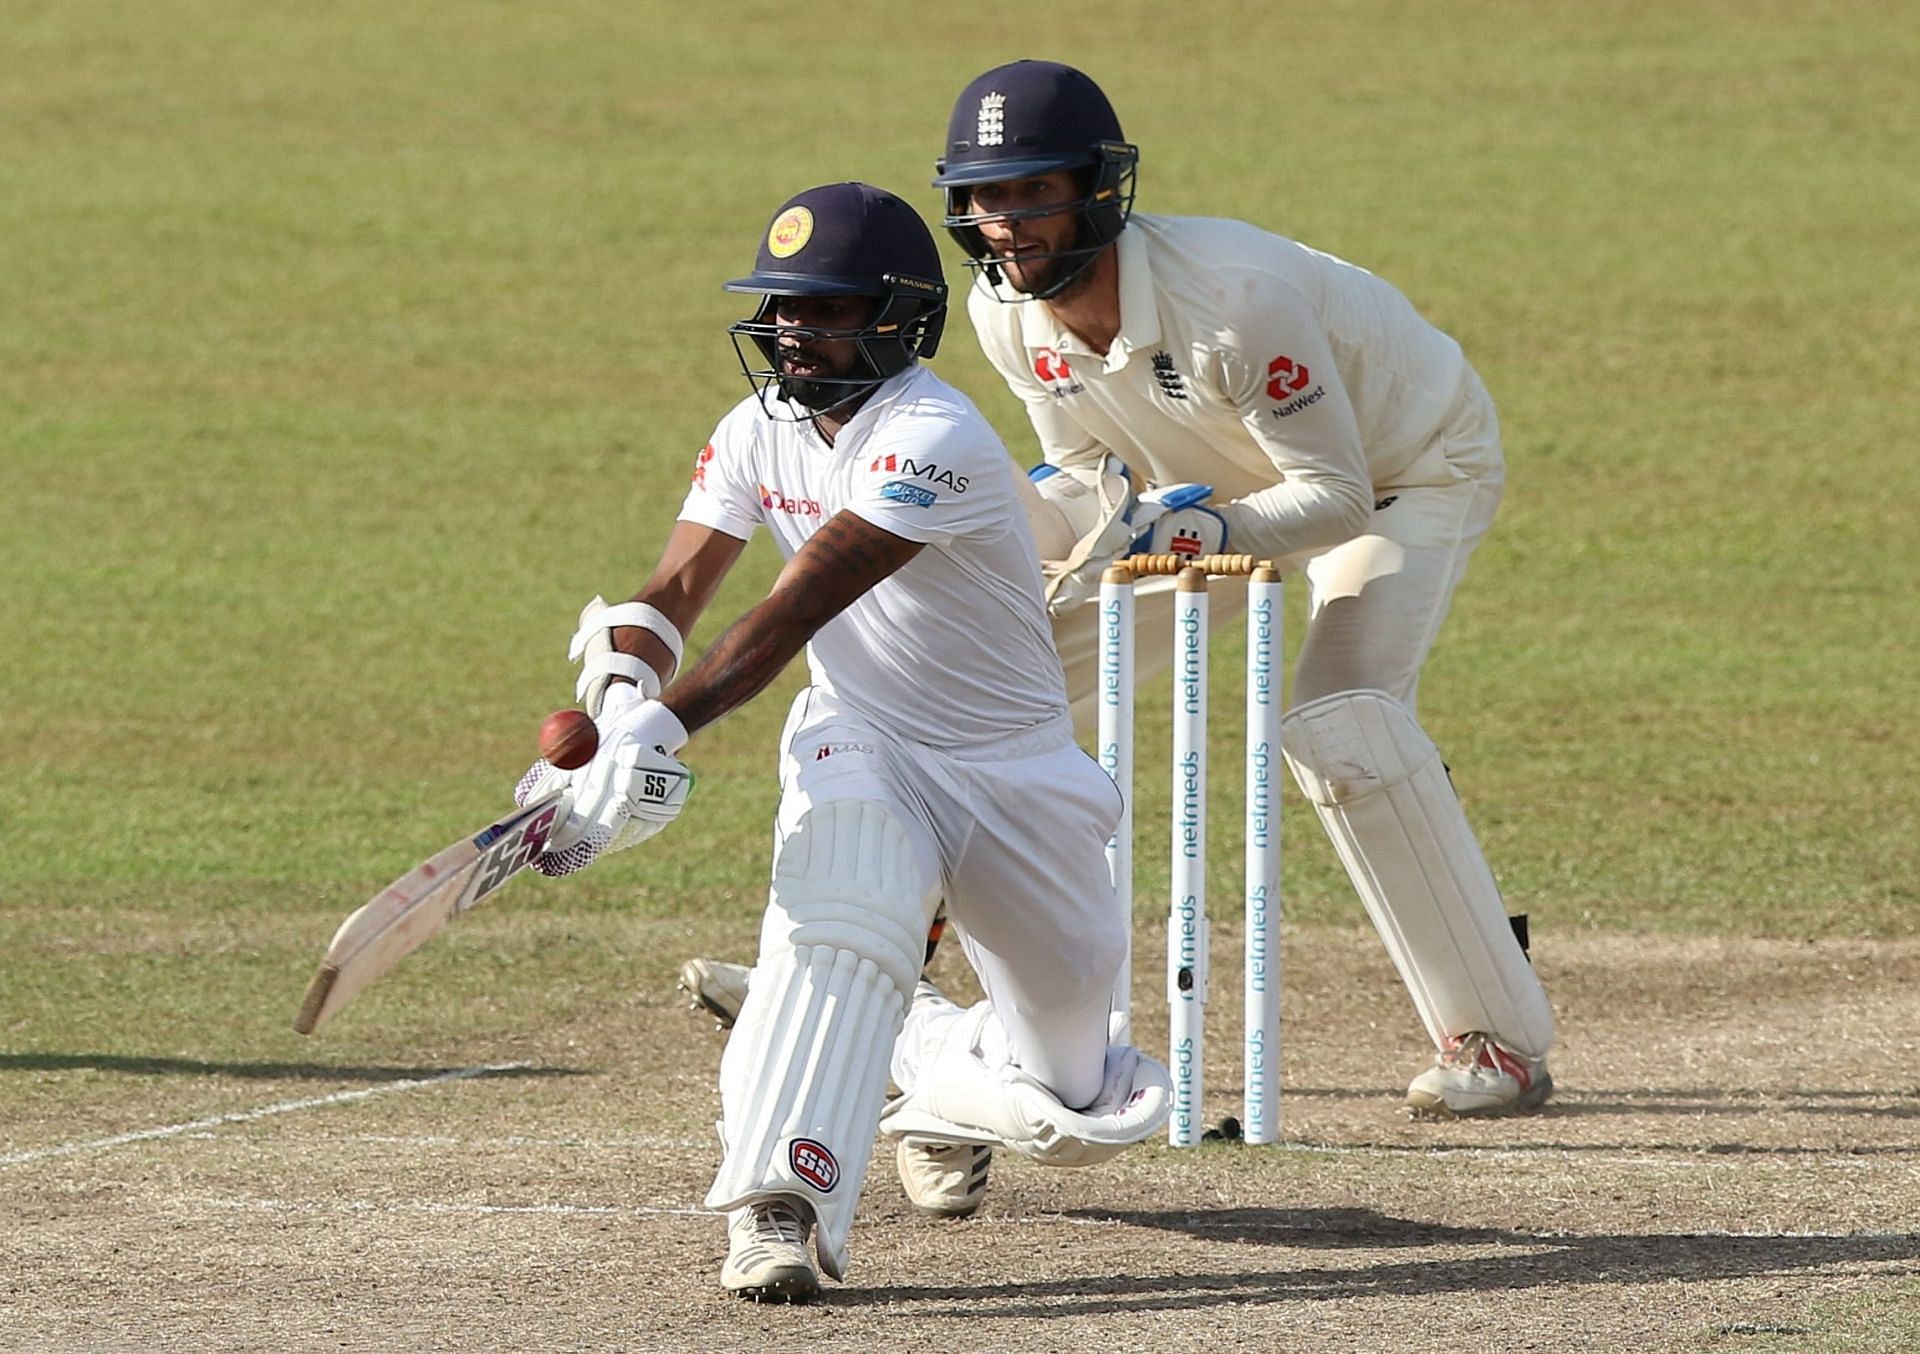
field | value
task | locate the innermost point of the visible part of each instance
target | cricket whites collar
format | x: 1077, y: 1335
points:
x: 1139, y: 315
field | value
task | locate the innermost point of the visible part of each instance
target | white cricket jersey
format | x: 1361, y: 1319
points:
x: 1246, y: 361
x: 952, y: 649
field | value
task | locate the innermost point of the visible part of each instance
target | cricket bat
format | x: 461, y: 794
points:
x: 420, y: 903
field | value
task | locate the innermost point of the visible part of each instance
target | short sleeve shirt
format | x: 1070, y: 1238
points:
x: 952, y: 649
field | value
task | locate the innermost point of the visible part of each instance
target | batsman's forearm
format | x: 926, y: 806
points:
x: 742, y: 662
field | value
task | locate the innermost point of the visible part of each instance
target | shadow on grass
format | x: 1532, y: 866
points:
x: 1516, y: 1261
x: 195, y: 1067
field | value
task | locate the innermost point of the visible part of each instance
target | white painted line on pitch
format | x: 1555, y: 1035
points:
x: 514, y: 1141
x: 641, y: 1143
x: 247, y: 1116
x: 462, y: 1210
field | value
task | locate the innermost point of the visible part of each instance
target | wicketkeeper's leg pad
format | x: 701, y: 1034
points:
x: 805, y: 1070
x: 968, y: 1092
x: 1383, y: 795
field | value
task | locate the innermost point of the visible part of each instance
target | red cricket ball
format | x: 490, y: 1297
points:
x: 568, y: 739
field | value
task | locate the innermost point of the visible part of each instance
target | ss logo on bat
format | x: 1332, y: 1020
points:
x: 512, y: 851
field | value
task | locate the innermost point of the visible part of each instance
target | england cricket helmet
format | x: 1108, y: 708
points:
x: 844, y: 239
x: 1026, y: 119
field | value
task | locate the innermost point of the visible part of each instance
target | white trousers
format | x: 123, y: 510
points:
x: 1013, y: 834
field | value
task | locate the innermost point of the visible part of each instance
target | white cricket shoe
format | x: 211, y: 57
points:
x: 947, y: 1179
x: 768, y: 1258
x: 1476, y: 1075
x: 717, y: 987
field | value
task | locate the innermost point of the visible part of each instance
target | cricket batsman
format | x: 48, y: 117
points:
x: 931, y: 756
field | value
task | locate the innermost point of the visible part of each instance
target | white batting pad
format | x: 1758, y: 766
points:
x: 1378, y: 784
x: 805, y: 1070
x: 969, y: 1093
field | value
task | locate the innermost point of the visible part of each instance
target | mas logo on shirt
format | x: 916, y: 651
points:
x: 906, y: 491
x: 1055, y: 374
x: 826, y: 750
x: 1285, y: 380
x: 700, y: 465
x: 775, y: 501
x: 921, y: 470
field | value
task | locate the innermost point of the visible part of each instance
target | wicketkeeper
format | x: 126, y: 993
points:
x: 931, y: 756
x: 1284, y: 403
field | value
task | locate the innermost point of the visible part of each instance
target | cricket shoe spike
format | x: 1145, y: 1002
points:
x: 716, y: 987
x: 768, y: 1258
x: 1475, y: 1075
x: 946, y: 1179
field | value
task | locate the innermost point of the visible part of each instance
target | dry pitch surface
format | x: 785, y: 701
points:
x: 1733, y: 1162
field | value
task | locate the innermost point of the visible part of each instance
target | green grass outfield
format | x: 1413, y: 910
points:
x: 346, y: 348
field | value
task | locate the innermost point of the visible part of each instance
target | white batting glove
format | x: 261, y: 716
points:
x: 633, y: 787
x: 1177, y: 522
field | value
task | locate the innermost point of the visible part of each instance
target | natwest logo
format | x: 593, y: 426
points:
x: 700, y: 465
x: 1053, y: 371
x: 775, y: 501
x: 922, y: 470
x: 1286, y: 377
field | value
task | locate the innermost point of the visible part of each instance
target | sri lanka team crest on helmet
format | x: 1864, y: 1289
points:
x: 790, y: 232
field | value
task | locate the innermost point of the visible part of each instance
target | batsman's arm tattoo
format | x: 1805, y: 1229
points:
x: 842, y: 560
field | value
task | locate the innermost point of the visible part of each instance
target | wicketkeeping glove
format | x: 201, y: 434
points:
x: 633, y: 787
x: 1177, y: 522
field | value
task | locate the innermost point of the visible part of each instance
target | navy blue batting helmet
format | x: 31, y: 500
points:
x: 1030, y: 118
x: 845, y: 239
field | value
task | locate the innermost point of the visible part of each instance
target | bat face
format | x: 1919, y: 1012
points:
x: 409, y: 911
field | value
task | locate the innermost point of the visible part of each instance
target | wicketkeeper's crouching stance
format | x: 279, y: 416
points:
x: 932, y: 756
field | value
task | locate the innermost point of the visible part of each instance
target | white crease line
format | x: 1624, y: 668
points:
x: 518, y: 1140
x: 1198, y: 1221
x: 462, y: 1210
x: 247, y: 1116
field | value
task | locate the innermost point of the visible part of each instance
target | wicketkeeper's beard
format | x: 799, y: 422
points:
x: 1041, y: 276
